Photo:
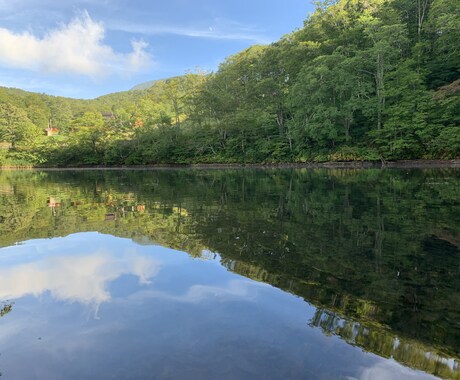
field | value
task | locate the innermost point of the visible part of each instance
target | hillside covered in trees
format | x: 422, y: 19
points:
x: 362, y: 80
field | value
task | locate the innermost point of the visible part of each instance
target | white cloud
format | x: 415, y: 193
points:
x: 221, y: 30
x: 139, y: 57
x: 76, y: 48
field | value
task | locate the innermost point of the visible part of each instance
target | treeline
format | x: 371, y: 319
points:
x: 362, y: 80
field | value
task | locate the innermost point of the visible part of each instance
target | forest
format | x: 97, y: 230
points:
x: 362, y: 80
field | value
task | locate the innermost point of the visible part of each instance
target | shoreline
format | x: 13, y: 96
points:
x: 399, y: 164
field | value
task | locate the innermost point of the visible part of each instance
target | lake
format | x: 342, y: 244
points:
x: 230, y: 274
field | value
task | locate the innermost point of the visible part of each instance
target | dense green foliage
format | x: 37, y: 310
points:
x: 375, y: 251
x: 362, y: 80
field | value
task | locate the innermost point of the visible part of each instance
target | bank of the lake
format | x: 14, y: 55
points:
x: 398, y: 164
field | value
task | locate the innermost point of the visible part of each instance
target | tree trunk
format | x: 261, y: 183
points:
x: 422, y: 7
x: 380, y: 88
x: 280, y: 120
x: 347, y: 124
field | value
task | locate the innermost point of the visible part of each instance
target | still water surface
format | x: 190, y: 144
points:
x: 233, y: 274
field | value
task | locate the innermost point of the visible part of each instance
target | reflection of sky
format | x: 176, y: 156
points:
x: 77, y: 268
x: 169, y: 316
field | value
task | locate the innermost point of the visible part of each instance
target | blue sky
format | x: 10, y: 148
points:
x: 87, y: 48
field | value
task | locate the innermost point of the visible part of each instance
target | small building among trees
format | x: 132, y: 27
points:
x: 50, y: 131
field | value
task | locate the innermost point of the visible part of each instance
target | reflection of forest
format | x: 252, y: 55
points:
x: 5, y: 308
x: 386, y: 344
x: 375, y: 251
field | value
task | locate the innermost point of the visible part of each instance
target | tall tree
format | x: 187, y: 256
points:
x: 15, y: 126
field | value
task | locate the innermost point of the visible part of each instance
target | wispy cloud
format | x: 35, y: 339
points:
x: 77, y: 48
x: 219, y: 30
x: 391, y: 370
x: 233, y: 289
x: 12, y: 4
x: 5, y: 5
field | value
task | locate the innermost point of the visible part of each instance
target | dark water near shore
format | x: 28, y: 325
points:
x: 230, y: 274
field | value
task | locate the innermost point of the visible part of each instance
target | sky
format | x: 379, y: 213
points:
x: 88, y: 48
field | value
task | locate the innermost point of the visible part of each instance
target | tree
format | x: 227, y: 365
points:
x: 443, y: 61
x: 15, y: 127
x: 88, y: 120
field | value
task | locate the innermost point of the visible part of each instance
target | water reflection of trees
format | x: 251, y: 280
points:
x: 386, y: 344
x: 379, y: 248
x: 5, y: 308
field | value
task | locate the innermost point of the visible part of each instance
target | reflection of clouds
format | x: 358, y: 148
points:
x: 81, y: 274
x: 391, y: 370
x: 241, y: 289
x: 234, y: 288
